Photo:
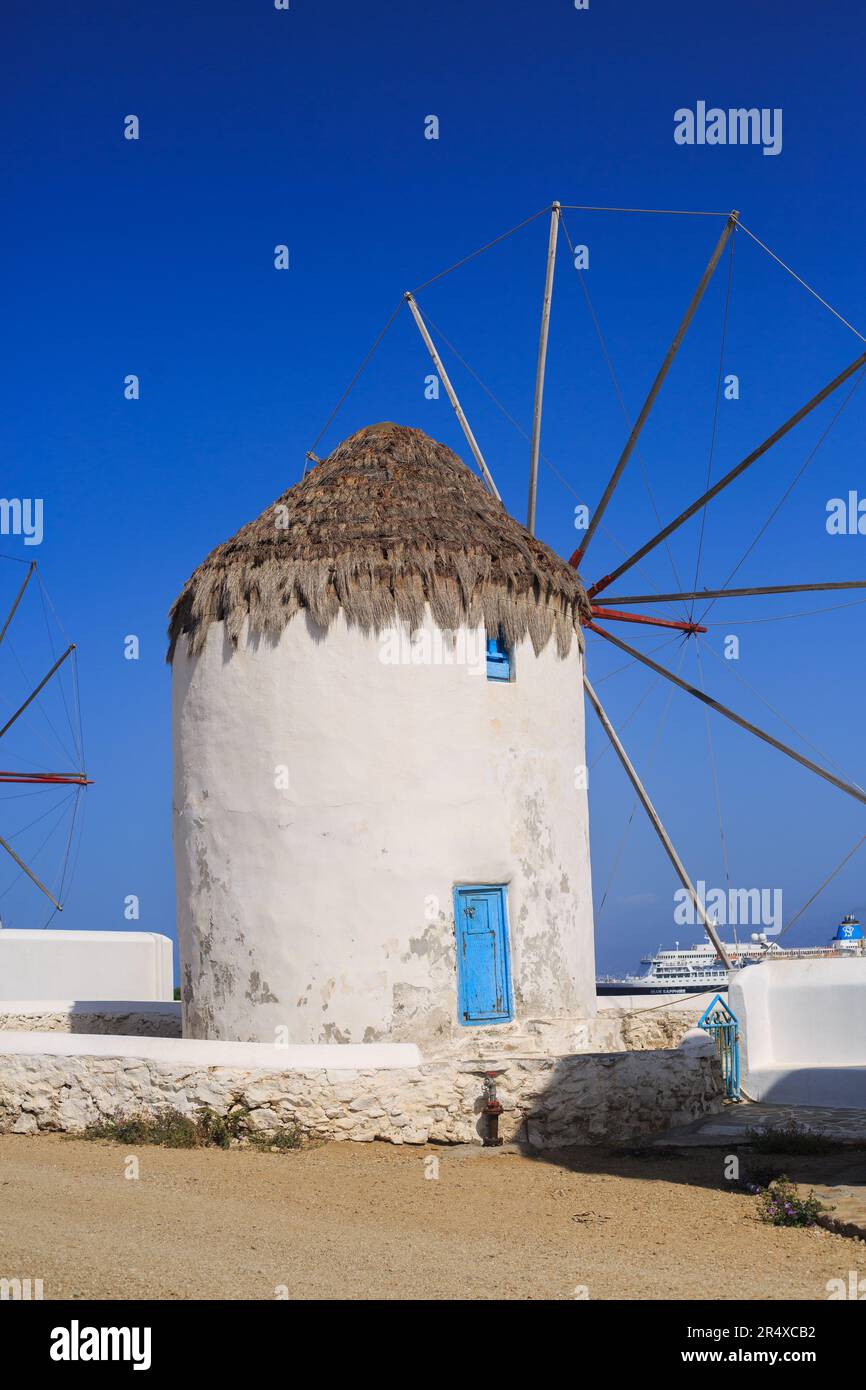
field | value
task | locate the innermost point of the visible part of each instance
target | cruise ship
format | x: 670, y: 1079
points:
x: 695, y: 969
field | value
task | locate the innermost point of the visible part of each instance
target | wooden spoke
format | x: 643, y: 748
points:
x: 30, y: 874
x: 709, y: 927
x: 639, y: 423
x: 452, y: 394
x: 729, y: 477
x: 611, y: 614
x: 30, y: 698
x: 539, y: 370
x: 844, y: 786
x: 736, y: 593
x: 18, y: 597
x: 52, y: 779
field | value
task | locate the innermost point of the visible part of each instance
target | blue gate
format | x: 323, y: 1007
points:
x: 721, y: 1023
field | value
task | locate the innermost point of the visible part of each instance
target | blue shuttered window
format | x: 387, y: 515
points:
x: 498, y: 659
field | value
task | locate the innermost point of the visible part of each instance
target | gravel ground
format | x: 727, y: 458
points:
x: 353, y: 1221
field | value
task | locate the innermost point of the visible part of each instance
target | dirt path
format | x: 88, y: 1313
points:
x: 354, y: 1221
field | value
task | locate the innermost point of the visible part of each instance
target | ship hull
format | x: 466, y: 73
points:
x: 611, y: 987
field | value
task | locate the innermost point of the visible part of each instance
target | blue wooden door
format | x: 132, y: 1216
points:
x: 483, y: 966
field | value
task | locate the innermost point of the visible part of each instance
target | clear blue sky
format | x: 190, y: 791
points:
x: 306, y: 127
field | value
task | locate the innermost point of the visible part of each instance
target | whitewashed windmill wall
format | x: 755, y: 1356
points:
x: 324, y: 907
x: 376, y: 840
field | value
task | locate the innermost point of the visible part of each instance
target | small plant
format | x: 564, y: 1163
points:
x: 219, y: 1131
x: 207, y: 1129
x: 789, y: 1139
x: 286, y: 1137
x: 780, y: 1204
x: 168, y: 1127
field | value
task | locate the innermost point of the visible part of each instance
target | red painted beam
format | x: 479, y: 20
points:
x: 62, y: 779
x: 616, y: 615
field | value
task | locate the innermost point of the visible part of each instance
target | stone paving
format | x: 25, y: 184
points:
x: 838, y: 1178
x: 846, y: 1126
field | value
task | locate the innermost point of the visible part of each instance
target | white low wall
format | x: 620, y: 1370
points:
x: 802, y: 1031
x: 91, y: 965
x: 617, y: 1028
x: 196, y: 1052
x: 361, y: 1092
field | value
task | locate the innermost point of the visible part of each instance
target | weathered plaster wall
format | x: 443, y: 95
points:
x: 324, y: 907
x: 548, y: 1101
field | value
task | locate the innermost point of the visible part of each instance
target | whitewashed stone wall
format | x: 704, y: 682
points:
x: 552, y: 1102
x: 135, y: 1020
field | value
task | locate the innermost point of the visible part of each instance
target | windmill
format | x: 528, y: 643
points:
x: 616, y: 608
x: 29, y: 841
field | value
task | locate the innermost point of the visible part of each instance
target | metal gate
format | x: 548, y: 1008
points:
x: 721, y: 1023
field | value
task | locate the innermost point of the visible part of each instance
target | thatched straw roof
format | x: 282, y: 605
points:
x: 389, y: 522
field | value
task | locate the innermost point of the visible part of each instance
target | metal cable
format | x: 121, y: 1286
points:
x: 525, y: 434
x: 74, y: 725
x: 858, y: 381
x: 785, y: 617
x: 714, y: 431
x: 621, y: 399
x: 713, y: 767
x: 660, y: 212
x: 822, y: 886
x: 621, y: 848
x: 801, y: 281
x: 632, y: 659
x: 339, y: 404
x: 623, y: 724
x: 472, y: 254
x: 809, y: 744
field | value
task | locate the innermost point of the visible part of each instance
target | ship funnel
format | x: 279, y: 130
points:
x: 849, y: 929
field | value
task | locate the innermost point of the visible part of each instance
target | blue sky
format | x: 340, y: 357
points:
x: 306, y: 127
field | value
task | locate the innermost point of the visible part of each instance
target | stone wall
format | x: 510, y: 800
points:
x: 136, y: 1020
x: 640, y: 1026
x: 550, y: 1102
